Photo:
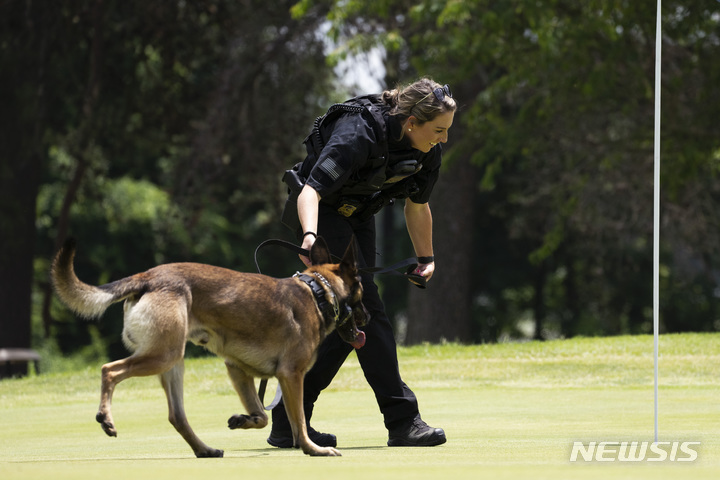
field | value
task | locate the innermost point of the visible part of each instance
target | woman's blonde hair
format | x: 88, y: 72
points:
x: 424, y: 99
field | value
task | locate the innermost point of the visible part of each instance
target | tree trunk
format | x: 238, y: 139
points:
x: 539, y: 307
x: 19, y: 183
x: 22, y: 121
x: 18, y: 191
x: 443, y: 310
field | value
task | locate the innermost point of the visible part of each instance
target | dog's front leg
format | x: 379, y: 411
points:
x: 172, y: 382
x: 244, y: 385
x: 292, y: 388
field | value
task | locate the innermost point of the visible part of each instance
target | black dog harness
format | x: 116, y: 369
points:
x: 325, y: 298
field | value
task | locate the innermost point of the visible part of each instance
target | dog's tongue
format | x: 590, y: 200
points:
x: 359, y: 341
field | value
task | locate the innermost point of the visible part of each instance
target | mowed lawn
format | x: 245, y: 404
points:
x: 509, y: 410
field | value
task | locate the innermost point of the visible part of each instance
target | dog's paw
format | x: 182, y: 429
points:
x: 106, y: 424
x: 247, y: 421
x: 210, y: 453
x: 238, y: 421
x: 323, y: 452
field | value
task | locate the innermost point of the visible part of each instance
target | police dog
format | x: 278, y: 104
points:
x: 261, y: 326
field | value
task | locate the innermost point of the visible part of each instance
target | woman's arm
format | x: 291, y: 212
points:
x: 418, y: 219
x: 307, y: 206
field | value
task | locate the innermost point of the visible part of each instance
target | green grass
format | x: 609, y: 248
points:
x: 509, y: 411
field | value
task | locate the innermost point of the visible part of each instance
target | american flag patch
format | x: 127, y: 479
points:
x: 332, y: 169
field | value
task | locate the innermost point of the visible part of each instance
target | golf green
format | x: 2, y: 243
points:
x: 509, y: 411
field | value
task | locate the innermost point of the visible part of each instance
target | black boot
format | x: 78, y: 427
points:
x: 416, y: 433
x: 284, y: 439
x: 281, y: 434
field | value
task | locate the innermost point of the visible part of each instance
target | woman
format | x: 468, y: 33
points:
x: 369, y: 152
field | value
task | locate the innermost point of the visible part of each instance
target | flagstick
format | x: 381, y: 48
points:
x: 656, y: 220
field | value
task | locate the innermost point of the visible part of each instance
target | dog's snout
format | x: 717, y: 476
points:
x: 361, y: 315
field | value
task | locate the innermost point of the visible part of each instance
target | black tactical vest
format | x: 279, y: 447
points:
x: 363, y: 194
x: 372, y: 176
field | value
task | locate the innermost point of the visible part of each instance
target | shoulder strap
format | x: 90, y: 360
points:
x: 373, y: 104
x: 315, y: 139
x: 365, y: 104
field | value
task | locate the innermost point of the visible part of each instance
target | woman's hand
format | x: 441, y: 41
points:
x: 425, y: 270
x: 307, y: 244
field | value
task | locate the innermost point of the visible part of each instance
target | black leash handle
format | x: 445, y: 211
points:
x: 411, y: 263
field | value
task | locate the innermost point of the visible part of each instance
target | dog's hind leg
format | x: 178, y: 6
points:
x: 155, y: 328
x: 115, y: 372
x: 172, y: 382
x: 245, y: 387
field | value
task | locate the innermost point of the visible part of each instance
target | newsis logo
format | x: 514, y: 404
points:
x: 634, y: 452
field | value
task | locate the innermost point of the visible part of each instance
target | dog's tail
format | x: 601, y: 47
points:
x: 86, y: 300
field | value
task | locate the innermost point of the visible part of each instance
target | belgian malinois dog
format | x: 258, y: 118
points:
x: 262, y: 326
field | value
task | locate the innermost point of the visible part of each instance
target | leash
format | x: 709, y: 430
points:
x: 261, y: 395
x: 410, y: 264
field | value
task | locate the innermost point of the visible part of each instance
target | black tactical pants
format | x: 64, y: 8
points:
x: 378, y: 358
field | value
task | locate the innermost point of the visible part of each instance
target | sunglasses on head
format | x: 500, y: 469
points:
x: 440, y: 93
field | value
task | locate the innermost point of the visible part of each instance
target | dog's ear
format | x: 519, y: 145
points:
x: 319, y: 252
x: 349, y: 260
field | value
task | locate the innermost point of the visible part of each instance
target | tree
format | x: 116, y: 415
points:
x: 26, y: 37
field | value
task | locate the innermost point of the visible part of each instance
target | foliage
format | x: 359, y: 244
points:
x: 158, y: 131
